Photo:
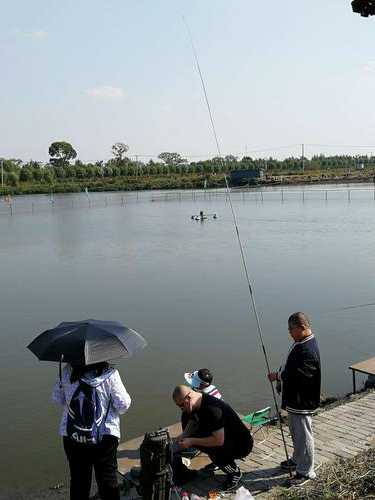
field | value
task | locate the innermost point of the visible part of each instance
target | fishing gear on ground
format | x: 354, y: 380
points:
x: 155, y: 480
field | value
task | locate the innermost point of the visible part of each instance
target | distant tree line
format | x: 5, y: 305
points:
x: 65, y: 166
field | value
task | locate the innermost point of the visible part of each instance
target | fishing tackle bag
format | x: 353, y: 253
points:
x: 85, y: 415
x: 156, y: 472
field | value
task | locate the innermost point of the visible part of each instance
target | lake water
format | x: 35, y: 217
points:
x: 143, y: 261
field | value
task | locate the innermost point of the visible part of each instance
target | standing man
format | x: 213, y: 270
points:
x: 300, y: 378
x: 212, y: 426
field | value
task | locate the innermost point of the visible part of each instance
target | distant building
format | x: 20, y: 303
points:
x: 246, y: 177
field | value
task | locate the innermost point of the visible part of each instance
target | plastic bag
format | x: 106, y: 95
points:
x: 243, y: 494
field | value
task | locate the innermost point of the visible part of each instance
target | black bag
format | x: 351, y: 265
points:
x: 156, y: 472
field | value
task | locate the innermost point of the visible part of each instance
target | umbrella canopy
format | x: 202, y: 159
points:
x: 87, y: 342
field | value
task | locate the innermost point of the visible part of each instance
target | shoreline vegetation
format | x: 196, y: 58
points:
x: 343, y: 478
x: 61, y: 175
x: 352, y: 477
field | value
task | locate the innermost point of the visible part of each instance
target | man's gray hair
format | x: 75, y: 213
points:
x: 299, y: 319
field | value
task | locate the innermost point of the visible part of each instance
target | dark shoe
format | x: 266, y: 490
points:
x: 288, y: 464
x: 209, y: 468
x: 181, y: 473
x: 232, y: 481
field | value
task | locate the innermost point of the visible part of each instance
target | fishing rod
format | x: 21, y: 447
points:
x: 243, y: 259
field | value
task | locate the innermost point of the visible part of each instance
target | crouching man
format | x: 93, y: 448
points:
x: 213, y: 427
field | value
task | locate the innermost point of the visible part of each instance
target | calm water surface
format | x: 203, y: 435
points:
x: 181, y: 284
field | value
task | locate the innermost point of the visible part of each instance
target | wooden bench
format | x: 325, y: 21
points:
x: 367, y: 367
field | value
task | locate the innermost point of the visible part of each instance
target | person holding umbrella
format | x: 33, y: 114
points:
x: 93, y: 397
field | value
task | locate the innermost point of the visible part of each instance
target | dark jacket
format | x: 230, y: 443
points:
x: 301, y: 377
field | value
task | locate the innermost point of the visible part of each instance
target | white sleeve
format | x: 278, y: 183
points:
x: 120, y: 398
x: 58, y: 394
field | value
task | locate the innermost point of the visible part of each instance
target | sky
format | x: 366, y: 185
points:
x: 277, y: 73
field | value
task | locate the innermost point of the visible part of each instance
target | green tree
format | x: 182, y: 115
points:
x: 61, y: 153
x: 80, y: 172
x: 37, y: 174
x: 108, y: 171
x: 71, y: 171
x: 230, y: 158
x: 60, y: 172
x: 11, y: 164
x: 26, y: 174
x: 48, y: 176
x: 171, y: 158
x: 119, y: 149
x: 12, y: 178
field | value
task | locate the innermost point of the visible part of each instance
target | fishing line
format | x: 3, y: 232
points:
x: 250, y: 288
x: 203, y: 85
x: 348, y: 308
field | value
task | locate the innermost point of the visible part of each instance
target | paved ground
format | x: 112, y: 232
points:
x: 340, y: 431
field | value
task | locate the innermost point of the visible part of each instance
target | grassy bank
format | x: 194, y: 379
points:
x: 352, y: 478
x: 141, y: 183
x: 176, y: 181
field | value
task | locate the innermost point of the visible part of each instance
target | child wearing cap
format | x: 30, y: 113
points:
x: 201, y: 381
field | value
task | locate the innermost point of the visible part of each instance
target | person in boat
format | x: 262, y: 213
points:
x: 213, y: 427
x: 93, y: 397
x: 300, y: 379
x: 201, y: 381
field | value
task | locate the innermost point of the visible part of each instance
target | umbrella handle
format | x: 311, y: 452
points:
x: 60, y: 370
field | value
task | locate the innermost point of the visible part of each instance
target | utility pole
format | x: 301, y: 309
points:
x: 2, y: 173
x: 303, y: 158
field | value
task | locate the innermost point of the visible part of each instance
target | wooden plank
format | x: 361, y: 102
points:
x: 361, y: 420
x: 342, y: 431
x: 367, y: 366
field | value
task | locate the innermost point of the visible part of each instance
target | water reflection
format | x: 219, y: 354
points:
x: 182, y: 285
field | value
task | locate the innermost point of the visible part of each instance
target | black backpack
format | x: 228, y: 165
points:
x: 156, y: 472
x: 85, y: 415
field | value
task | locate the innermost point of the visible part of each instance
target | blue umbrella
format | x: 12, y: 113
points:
x: 87, y: 342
